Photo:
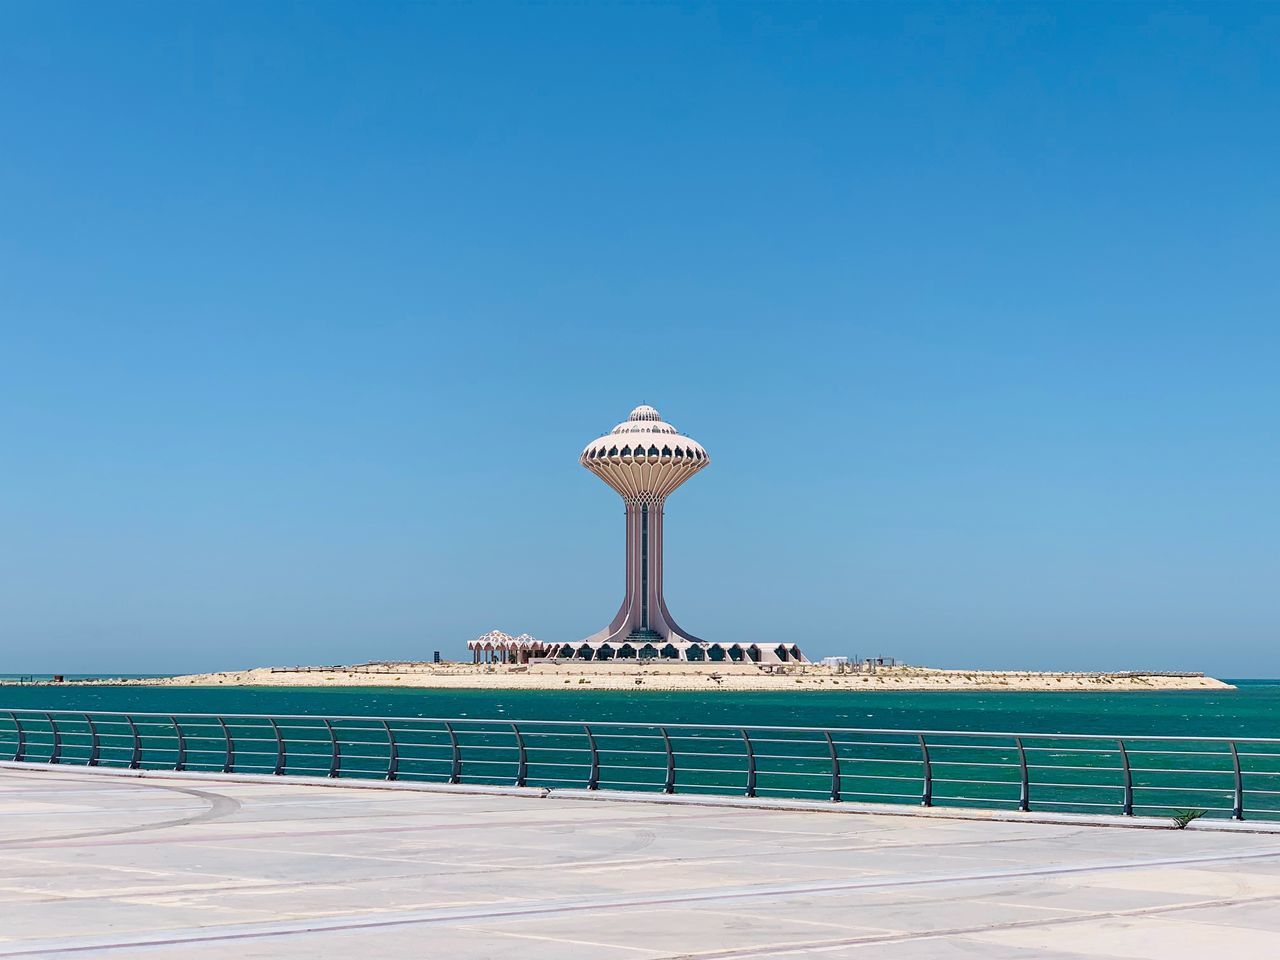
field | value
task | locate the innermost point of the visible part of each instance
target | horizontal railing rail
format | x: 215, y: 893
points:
x: 1235, y: 777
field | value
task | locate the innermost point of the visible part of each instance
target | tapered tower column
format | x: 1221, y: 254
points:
x: 644, y: 459
x: 643, y: 614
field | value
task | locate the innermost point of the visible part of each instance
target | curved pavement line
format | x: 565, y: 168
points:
x: 219, y: 806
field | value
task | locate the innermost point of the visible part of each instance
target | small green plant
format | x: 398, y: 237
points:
x: 1183, y: 817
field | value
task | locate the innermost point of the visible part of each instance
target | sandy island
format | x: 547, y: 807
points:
x: 745, y: 677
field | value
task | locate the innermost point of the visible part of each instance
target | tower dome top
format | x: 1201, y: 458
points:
x: 644, y: 458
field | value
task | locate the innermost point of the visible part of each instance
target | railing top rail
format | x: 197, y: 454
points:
x: 506, y: 722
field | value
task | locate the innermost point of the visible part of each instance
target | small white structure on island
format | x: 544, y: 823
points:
x: 498, y: 647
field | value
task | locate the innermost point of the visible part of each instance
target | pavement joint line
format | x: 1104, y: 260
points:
x: 709, y: 800
x: 767, y: 950
x: 238, y: 885
x: 1151, y: 913
x: 1037, y: 906
x: 54, y: 843
x: 548, y: 939
x: 218, y: 809
x: 469, y: 915
x: 744, y: 915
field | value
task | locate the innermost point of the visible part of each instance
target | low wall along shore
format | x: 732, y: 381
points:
x: 680, y: 676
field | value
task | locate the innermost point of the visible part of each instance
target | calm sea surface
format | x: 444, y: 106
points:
x: 1251, y: 711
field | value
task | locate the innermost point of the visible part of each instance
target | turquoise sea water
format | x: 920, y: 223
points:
x: 1065, y: 775
x: 1253, y: 710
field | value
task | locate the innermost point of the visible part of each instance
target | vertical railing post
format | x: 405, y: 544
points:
x: 1024, y: 791
x: 669, y: 785
x: 56, y: 754
x: 751, y: 764
x: 335, y: 753
x: 19, y: 753
x: 1126, y: 803
x: 1237, y: 802
x: 522, y: 758
x: 393, y: 752
x: 229, y: 760
x: 135, y: 755
x: 180, y: 762
x: 455, y: 765
x: 94, y: 742
x: 593, y: 778
x: 926, y: 792
x: 280, y: 754
x: 835, y: 768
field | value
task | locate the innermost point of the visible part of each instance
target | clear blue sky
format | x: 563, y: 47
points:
x: 307, y: 310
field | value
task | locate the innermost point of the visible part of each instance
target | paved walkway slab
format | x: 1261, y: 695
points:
x: 93, y: 865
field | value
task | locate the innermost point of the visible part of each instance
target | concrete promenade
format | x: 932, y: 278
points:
x: 94, y: 865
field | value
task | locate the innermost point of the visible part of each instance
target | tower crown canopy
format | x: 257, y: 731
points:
x: 644, y: 458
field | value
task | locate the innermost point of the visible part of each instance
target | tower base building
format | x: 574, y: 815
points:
x: 695, y: 652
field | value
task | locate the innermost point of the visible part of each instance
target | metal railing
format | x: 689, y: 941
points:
x: 1126, y: 775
